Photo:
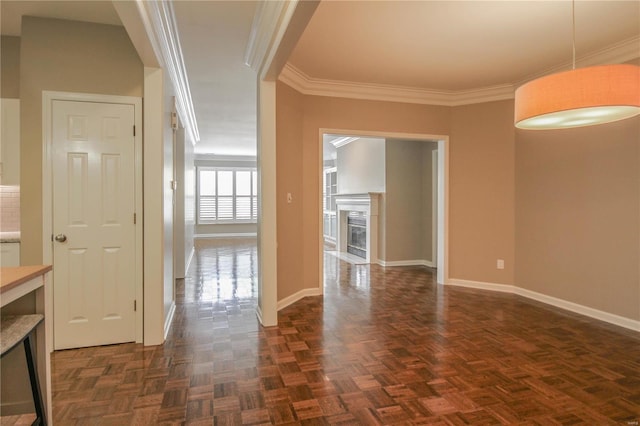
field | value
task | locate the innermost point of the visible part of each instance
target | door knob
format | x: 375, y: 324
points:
x: 61, y: 238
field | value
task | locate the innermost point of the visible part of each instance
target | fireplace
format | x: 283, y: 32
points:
x: 357, y: 230
x: 357, y: 234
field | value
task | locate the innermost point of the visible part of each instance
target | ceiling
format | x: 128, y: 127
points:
x: 456, y: 45
x: 214, y: 37
x: 439, y: 45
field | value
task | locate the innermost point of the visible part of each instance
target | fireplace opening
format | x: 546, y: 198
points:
x: 357, y: 234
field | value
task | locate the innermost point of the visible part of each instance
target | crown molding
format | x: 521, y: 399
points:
x: 343, y: 141
x: 265, y: 22
x: 300, y: 81
x: 161, y: 28
x: 617, y: 53
x: 270, y: 22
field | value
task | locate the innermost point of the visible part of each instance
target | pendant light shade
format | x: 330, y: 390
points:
x: 580, y: 97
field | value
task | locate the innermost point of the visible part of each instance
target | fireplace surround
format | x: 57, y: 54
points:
x: 364, y: 227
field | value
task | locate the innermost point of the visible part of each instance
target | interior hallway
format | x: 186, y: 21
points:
x: 385, y: 346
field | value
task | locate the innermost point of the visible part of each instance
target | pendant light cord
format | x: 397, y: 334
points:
x: 573, y: 26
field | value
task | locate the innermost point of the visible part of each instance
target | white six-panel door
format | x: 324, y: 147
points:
x: 93, y: 223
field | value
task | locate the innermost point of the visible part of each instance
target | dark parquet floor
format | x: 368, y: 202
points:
x: 384, y: 346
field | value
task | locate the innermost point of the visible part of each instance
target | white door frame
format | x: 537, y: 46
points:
x: 47, y: 182
x: 442, y: 255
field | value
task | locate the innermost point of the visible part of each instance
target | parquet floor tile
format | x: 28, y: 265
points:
x: 381, y: 347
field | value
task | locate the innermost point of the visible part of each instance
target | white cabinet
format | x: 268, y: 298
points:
x: 10, y: 141
x: 9, y: 254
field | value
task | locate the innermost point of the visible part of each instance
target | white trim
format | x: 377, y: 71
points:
x: 305, y: 292
x: 169, y: 319
x: 442, y: 234
x: 47, y: 184
x: 552, y: 301
x: 416, y: 262
x: 620, y: 52
x: 161, y: 28
x: 227, y: 235
x: 580, y: 309
x: 259, y: 313
x: 307, y: 85
x: 189, y: 259
x: 368, y: 204
x: 263, y: 27
x: 434, y: 208
x: 342, y: 141
x: 502, y: 288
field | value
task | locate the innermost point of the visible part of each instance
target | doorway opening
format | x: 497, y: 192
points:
x: 384, y: 199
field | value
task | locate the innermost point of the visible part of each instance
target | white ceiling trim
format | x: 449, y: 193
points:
x: 269, y: 25
x: 264, y: 25
x: 618, y: 53
x: 307, y: 85
x: 160, y: 24
x: 342, y: 141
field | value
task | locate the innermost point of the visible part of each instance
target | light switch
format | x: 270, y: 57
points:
x: 289, y: 198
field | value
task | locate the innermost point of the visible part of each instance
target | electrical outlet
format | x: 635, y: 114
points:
x: 500, y: 264
x: 289, y: 198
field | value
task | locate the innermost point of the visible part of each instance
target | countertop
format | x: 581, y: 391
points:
x: 11, y: 277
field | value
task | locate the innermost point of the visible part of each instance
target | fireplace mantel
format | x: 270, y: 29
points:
x: 368, y: 203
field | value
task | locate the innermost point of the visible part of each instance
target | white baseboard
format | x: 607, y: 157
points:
x: 289, y: 300
x: 580, y: 309
x: 503, y: 288
x: 228, y: 235
x: 169, y: 319
x: 189, y: 259
x: 553, y: 301
x: 259, y: 314
x: 417, y: 262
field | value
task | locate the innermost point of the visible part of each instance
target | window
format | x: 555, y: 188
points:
x: 227, y: 195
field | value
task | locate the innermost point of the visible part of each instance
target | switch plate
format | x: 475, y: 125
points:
x: 500, y: 264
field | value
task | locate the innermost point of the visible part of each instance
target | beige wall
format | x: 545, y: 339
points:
x: 289, y: 179
x: 403, y: 201
x: 481, y: 192
x: 481, y: 176
x: 578, y: 215
x: 63, y: 56
x: 299, y: 228
x: 360, y: 166
x: 10, y: 67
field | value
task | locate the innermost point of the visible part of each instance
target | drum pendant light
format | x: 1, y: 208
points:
x: 580, y: 97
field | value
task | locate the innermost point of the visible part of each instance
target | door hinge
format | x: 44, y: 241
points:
x: 134, y: 218
x: 135, y: 305
x: 134, y: 130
